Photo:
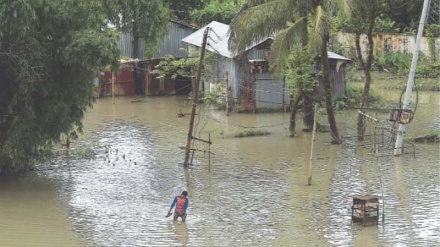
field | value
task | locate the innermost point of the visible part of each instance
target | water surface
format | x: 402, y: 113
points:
x: 249, y: 192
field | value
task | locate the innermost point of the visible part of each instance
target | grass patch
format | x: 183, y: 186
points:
x: 249, y: 133
x: 389, y: 81
x: 84, y: 153
x: 430, y: 138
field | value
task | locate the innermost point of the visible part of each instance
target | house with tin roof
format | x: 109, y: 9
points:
x: 252, y: 87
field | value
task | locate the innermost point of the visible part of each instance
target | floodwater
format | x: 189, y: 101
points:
x: 249, y: 192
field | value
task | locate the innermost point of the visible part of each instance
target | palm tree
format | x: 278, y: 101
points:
x: 290, y: 21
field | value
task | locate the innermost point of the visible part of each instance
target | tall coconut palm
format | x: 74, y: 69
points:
x: 289, y: 22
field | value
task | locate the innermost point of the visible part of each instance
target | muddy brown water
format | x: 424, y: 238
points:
x: 254, y: 192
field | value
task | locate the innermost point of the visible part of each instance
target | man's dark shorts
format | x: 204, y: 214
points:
x: 179, y: 214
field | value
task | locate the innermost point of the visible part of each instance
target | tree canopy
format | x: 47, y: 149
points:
x: 49, y: 53
x: 217, y: 10
x: 291, y: 22
x: 145, y: 19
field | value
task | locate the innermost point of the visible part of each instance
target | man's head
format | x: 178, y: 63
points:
x: 184, y: 193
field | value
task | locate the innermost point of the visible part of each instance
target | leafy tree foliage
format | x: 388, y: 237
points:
x: 182, y: 9
x: 298, y: 72
x: 405, y: 14
x: 363, y: 21
x: 298, y: 21
x: 145, y: 19
x: 217, y: 10
x: 49, y: 52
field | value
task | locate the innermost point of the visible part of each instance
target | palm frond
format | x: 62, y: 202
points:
x: 253, y: 3
x: 259, y: 22
x: 282, y: 44
x: 342, y: 8
x: 315, y: 30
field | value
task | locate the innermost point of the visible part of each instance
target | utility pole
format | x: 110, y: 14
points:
x: 412, y: 72
x: 195, y: 98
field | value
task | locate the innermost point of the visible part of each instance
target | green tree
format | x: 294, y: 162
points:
x: 49, y: 53
x: 146, y: 19
x: 405, y: 14
x: 301, y: 84
x: 217, y: 10
x: 182, y: 9
x: 362, y: 21
x: 289, y: 22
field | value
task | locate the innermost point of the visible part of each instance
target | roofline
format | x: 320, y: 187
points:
x: 188, y: 25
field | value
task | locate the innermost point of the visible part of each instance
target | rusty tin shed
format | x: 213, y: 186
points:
x: 144, y: 81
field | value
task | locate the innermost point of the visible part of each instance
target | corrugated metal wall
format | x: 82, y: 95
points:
x: 256, y: 54
x: 124, y: 82
x: 223, y: 67
x: 261, y: 91
x: 172, y: 44
x: 338, y: 81
x: 270, y: 93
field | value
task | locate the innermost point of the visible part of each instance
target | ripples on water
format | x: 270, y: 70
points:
x: 122, y: 202
x: 121, y: 197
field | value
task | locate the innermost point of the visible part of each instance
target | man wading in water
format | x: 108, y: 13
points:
x: 181, y: 203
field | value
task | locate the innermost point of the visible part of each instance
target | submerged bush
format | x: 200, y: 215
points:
x: 354, y: 96
x: 248, y: 133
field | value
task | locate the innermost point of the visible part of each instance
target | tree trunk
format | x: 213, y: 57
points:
x: 293, y: 114
x: 366, y: 66
x: 309, y: 112
x: 135, y: 47
x: 328, y: 92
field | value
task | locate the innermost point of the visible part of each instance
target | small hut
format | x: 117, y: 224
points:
x: 141, y: 80
x: 252, y: 87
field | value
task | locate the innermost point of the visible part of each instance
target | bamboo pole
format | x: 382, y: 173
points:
x: 227, y: 94
x: 209, y: 152
x: 195, y: 98
x: 312, y: 146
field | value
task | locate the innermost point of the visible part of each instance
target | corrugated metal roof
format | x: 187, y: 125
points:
x: 189, y: 25
x: 333, y: 55
x: 218, y: 41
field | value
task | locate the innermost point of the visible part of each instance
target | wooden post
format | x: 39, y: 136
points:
x: 209, y: 152
x: 227, y: 94
x: 195, y: 98
x: 113, y: 87
x: 312, y: 146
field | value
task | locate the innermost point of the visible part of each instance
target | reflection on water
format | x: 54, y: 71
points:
x: 256, y: 192
x: 32, y: 215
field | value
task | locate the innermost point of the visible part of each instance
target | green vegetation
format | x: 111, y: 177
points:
x: 389, y: 81
x: 249, y: 133
x: 354, y: 97
x: 217, y: 10
x: 182, y: 9
x: 309, y: 24
x: 49, y: 53
x: 83, y: 153
x: 147, y: 20
x: 429, y: 138
x: 298, y: 76
x: 400, y: 63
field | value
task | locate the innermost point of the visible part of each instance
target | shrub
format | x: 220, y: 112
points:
x: 248, y: 133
